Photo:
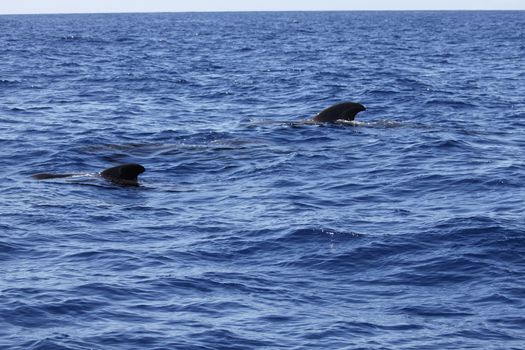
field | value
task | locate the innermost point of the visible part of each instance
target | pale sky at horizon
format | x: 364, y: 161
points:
x: 97, y: 6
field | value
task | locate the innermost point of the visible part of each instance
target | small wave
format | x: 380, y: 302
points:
x: 69, y: 64
x: 437, y: 311
x: 450, y: 103
x: 10, y: 250
x: 9, y: 81
x: 71, y: 37
x: 46, y: 344
x: 380, y: 124
x: 82, y: 38
x: 17, y: 109
x: 484, y: 333
x: 513, y: 322
x: 468, y: 225
x: 108, y: 291
x: 404, y: 82
x: 222, y: 338
x: 28, y: 316
x: 383, y: 92
x: 445, y: 144
x: 309, y: 235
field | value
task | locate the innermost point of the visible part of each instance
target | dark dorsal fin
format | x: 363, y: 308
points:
x: 125, y: 174
x: 343, y: 110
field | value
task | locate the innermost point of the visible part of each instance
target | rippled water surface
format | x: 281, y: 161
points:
x: 406, y: 231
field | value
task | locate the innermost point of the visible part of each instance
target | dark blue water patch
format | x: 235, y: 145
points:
x: 513, y: 322
x: 486, y: 334
x: 7, y: 82
x: 9, y: 250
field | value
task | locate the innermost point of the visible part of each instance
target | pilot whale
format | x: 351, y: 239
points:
x: 125, y: 174
x: 345, y: 111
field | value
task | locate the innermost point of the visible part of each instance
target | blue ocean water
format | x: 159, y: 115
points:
x: 406, y: 231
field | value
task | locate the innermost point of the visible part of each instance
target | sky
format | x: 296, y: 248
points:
x: 96, y: 6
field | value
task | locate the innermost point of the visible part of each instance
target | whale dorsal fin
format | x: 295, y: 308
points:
x: 125, y: 174
x: 340, y: 111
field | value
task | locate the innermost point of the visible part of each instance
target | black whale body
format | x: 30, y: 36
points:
x: 125, y: 174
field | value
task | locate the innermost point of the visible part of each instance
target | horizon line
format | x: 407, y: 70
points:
x: 253, y: 11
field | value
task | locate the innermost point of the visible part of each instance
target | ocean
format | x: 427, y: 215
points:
x: 250, y: 229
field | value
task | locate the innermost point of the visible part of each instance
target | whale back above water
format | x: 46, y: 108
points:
x: 340, y: 111
x: 45, y: 176
x: 125, y: 174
